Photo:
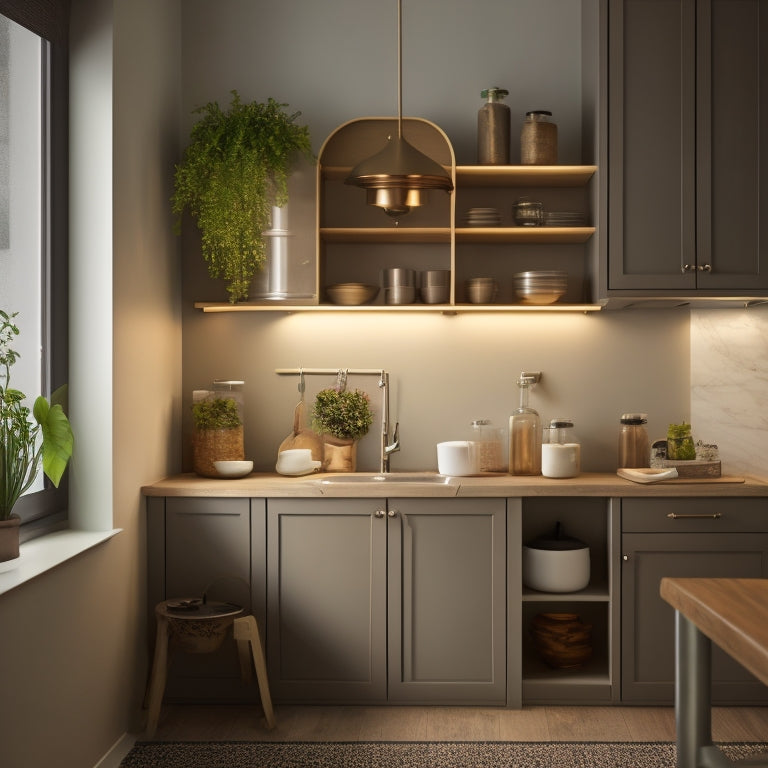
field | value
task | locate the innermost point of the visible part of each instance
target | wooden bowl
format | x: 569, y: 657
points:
x: 352, y: 294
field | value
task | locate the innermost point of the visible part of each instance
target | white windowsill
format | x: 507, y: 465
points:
x: 46, y: 552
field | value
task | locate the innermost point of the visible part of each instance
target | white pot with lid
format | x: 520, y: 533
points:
x: 556, y: 563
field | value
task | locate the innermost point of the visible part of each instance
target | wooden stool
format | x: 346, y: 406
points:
x: 246, y: 632
x: 199, y: 627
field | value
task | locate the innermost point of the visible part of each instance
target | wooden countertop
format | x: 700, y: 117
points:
x: 587, y: 484
x: 733, y: 613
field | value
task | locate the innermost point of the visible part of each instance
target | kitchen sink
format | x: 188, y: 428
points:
x: 387, y: 479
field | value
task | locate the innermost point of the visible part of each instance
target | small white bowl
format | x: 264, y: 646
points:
x: 233, y: 468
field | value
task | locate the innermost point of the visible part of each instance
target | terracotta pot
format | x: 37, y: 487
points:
x: 9, y: 538
x: 339, y: 455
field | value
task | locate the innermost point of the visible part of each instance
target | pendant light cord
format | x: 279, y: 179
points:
x: 400, y: 69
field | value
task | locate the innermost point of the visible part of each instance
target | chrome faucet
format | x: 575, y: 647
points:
x: 387, y: 448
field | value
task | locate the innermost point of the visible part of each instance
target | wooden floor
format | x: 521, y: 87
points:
x: 304, y: 723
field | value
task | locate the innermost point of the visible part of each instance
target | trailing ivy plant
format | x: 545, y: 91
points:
x: 233, y: 172
x: 344, y: 414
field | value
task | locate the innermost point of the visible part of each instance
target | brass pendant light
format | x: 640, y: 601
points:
x: 398, y: 178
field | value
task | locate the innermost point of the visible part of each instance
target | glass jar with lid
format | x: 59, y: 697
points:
x: 217, y: 418
x: 538, y: 139
x: 528, y: 213
x: 560, y: 450
x: 634, y: 446
x: 490, y: 446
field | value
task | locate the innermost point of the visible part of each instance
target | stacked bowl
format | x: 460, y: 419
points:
x: 481, y: 290
x: 541, y: 287
x: 399, y: 285
x: 435, y: 286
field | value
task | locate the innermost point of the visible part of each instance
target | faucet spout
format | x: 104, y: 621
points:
x: 387, y: 448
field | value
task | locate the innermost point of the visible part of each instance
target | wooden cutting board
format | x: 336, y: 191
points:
x: 646, y: 476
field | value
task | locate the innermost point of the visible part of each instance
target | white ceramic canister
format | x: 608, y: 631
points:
x: 560, y: 451
x: 458, y: 458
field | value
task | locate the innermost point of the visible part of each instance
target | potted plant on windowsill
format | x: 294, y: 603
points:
x: 341, y: 417
x: 234, y: 171
x: 25, y: 444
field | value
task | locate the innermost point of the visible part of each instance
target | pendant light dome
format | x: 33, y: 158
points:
x: 399, y: 176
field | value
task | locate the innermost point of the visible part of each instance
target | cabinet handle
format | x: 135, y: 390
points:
x: 393, y: 513
x: 675, y: 516
x: 625, y: 558
x: 705, y: 268
x: 685, y: 268
x: 379, y: 513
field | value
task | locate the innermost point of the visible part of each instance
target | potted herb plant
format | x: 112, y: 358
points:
x: 24, y: 443
x: 341, y: 417
x: 218, y: 434
x: 233, y: 172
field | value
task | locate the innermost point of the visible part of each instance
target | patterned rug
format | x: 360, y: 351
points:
x: 485, y: 754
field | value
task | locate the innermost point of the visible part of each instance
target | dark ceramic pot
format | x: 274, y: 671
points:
x: 9, y: 538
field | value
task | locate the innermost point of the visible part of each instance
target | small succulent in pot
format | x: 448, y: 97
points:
x: 344, y: 414
x: 26, y: 444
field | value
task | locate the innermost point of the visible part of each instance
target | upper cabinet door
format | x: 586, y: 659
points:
x: 732, y: 144
x: 686, y: 126
x: 652, y: 140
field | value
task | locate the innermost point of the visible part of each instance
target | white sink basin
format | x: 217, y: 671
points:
x: 388, y: 479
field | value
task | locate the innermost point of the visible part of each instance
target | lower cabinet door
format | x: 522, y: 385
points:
x: 326, y: 623
x: 208, y: 548
x: 648, y: 633
x: 447, y: 601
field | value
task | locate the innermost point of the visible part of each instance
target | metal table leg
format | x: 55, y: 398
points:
x: 693, y: 698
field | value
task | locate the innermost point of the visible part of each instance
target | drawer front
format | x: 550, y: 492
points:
x: 694, y: 515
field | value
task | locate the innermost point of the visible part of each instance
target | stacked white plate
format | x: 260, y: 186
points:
x: 564, y: 219
x: 541, y: 287
x: 482, y: 217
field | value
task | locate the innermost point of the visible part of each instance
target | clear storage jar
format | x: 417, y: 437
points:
x: 217, y: 418
x: 560, y: 450
x: 489, y: 446
x: 634, y: 446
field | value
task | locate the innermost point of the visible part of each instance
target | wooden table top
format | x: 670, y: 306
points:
x: 733, y: 613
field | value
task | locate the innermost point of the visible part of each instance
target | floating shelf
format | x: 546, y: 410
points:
x: 445, y: 309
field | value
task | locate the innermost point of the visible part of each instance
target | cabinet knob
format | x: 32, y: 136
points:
x: 393, y: 513
x: 685, y: 268
x: 705, y: 268
x: 379, y: 513
x: 625, y: 558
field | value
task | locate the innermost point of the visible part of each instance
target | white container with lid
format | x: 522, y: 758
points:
x: 560, y: 450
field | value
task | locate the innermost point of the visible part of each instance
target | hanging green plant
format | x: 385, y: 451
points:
x: 344, y: 414
x: 233, y: 172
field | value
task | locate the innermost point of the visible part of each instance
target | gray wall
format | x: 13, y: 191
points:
x: 335, y: 62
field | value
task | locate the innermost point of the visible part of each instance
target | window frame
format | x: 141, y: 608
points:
x: 47, y: 510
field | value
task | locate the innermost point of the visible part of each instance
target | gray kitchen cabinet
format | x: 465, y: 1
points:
x: 447, y: 621
x: 375, y: 601
x: 595, y: 521
x: 687, y: 139
x: 212, y: 546
x: 683, y: 538
x: 327, y: 593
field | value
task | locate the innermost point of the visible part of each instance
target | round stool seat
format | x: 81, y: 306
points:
x: 197, y: 626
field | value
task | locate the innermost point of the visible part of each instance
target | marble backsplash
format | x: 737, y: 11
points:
x: 729, y: 385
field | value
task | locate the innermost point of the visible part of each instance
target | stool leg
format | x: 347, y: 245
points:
x: 159, y: 676
x: 246, y: 628
x: 244, y: 654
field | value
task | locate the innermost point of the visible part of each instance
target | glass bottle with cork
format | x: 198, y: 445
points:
x: 525, y: 432
x: 493, y: 128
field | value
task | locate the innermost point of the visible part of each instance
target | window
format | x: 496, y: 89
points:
x: 33, y: 214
